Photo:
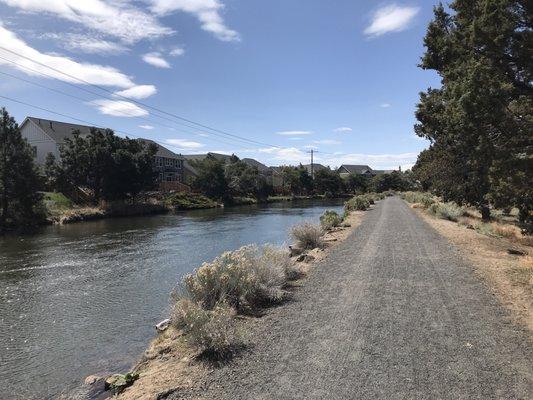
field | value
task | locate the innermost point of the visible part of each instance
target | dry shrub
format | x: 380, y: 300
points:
x: 244, y: 279
x: 417, y: 205
x: 449, y: 211
x: 211, y: 331
x: 307, y: 236
x: 506, y: 231
x: 423, y: 199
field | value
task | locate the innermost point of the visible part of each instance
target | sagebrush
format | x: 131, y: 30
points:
x: 307, y: 236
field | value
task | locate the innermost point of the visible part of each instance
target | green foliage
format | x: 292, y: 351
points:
x: 480, y: 120
x: 189, y: 201
x: 357, y: 203
x: 330, y: 219
x: 112, y: 167
x: 20, y: 203
x: 357, y: 183
x: 307, y: 236
x: 394, y: 181
x: 328, y: 181
x: 211, y: 180
x: 56, y: 203
x: 245, y: 180
x: 297, y: 180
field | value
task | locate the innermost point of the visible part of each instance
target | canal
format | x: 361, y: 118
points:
x: 83, y: 299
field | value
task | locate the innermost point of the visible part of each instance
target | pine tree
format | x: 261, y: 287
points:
x: 19, y: 178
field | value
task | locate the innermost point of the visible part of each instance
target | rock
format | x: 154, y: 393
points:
x: 92, y: 379
x: 163, y: 325
x: 330, y: 240
x: 470, y: 226
x: 517, y: 252
x: 346, y: 225
x: 305, y: 258
x: 295, y: 251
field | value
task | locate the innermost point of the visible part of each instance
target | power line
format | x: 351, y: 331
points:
x: 138, y: 102
x: 99, y: 94
x: 82, y: 99
x: 89, y: 123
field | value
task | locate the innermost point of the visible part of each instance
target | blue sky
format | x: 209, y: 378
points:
x: 342, y: 78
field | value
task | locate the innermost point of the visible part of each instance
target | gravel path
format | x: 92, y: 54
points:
x: 392, y: 313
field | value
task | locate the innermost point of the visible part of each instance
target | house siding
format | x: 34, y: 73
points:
x: 41, y: 143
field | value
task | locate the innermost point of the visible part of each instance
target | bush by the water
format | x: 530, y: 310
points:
x: 307, y: 236
x: 330, y: 219
x: 360, y: 203
x: 239, y: 281
x: 189, y: 201
x: 212, y: 331
x: 449, y: 211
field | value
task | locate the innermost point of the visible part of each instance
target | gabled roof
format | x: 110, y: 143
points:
x: 383, y: 171
x: 355, y: 169
x: 254, y: 163
x: 58, y: 130
x: 162, y: 151
x: 316, y: 167
x: 200, y: 157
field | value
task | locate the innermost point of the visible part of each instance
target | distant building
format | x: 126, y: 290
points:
x: 47, y: 136
x: 346, y: 170
x: 314, y: 168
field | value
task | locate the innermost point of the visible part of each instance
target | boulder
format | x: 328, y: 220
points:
x: 517, y: 252
x: 305, y: 258
x: 92, y: 379
x: 163, y: 325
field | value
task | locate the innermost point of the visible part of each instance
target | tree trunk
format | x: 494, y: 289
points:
x: 485, y: 212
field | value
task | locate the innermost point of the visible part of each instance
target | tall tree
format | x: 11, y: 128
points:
x: 211, y: 179
x: 479, y: 121
x: 19, y: 178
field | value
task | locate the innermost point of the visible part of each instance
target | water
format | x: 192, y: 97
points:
x: 84, y: 298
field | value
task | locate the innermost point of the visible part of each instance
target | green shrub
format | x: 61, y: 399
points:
x: 244, y: 279
x: 189, y: 201
x: 357, y: 203
x: 449, y: 211
x: 425, y: 199
x: 307, y: 236
x: 211, y: 331
x: 330, y: 219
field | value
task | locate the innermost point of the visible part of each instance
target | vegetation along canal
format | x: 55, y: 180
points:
x: 83, y: 299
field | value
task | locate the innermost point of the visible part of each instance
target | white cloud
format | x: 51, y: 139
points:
x: 91, y: 73
x: 207, y: 12
x: 376, y: 161
x: 91, y: 44
x: 184, y: 144
x: 177, y: 51
x: 290, y: 155
x: 391, y: 18
x: 156, y: 60
x: 295, y: 138
x: 138, y: 92
x: 147, y: 127
x: 115, y: 18
x: 202, y: 134
x: 119, y: 108
x: 384, y: 105
x: 343, y: 129
x: 294, y: 133
x: 326, y: 141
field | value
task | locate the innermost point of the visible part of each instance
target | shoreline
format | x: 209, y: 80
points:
x: 169, y: 363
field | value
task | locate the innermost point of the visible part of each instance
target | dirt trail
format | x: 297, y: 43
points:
x: 392, y: 313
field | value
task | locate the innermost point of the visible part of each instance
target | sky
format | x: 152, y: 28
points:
x: 269, y: 80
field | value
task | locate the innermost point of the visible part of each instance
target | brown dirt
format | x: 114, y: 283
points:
x: 510, y: 277
x: 169, y: 364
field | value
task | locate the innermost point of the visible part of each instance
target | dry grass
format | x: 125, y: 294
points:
x: 509, y: 276
x: 307, y: 236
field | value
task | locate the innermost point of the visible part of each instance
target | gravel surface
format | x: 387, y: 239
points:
x: 391, y: 313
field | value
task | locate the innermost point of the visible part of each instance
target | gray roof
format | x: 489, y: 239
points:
x: 383, y: 171
x: 316, y: 167
x: 200, y: 157
x: 59, y: 131
x: 356, y: 169
x: 162, y: 151
x: 254, y: 163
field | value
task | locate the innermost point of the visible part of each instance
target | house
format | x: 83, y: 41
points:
x: 313, y: 168
x: 47, y: 136
x: 346, y: 169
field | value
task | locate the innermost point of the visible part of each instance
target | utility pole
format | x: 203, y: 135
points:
x: 312, y: 163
